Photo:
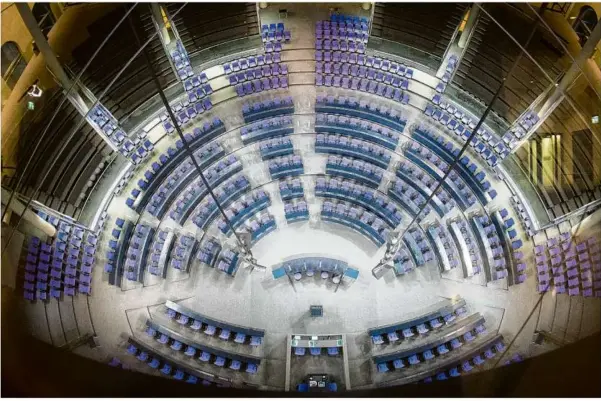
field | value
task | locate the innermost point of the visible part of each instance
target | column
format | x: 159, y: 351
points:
x: 84, y: 101
x: 469, y: 27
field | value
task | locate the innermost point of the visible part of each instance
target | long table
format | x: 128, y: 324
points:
x: 440, y: 311
x: 467, y: 324
x: 214, y: 322
x: 202, y: 347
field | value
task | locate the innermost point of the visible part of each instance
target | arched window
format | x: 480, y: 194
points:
x: 585, y: 22
x: 13, y: 64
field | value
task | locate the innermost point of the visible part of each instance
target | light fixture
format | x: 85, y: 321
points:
x: 595, y: 119
x: 35, y: 91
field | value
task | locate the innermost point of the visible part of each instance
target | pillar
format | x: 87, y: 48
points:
x: 174, y: 48
x: 469, y: 27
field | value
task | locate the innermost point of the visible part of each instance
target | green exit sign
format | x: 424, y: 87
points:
x: 30, y: 105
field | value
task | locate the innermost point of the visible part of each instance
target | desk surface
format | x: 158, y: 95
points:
x: 317, y: 343
x: 318, y: 382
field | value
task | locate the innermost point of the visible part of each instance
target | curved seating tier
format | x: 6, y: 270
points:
x: 208, y: 252
x: 207, y: 211
x: 411, y: 200
x: 455, y: 125
x: 392, y: 71
x: 242, y: 210
x: 467, y: 247
x: 167, y: 365
x: 184, y: 248
x: 466, y: 330
x: 417, y: 244
x: 188, y: 110
x: 462, y: 363
x: 349, y: 43
x: 342, y: 32
x: 352, y: 147
x: 216, y: 176
x: 261, y: 130
x: 523, y: 124
x: 444, y: 246
x: 107, y: 123
x: 348, y: 22
x: 421, y: 157
x: 65, y: 265
x: 351, y: 126
x: 258, y: 73
x: 337, y: 270
x: 276, y: 147
x: 258, y: 110
x: 173, y: 159
x: 296, y: 210
x: 290, y: 165
x: 187, y: 177
x: 139, y: 246
x: 242, y: 64
x: 263, y: 84
x: 419, y: 185
x: 438, y: 316
x: 117, y: 252
x: 228, y: 261
x: 363, y: 109
x: 195, y: 321
x: 261, y: 226
x: 357, y: 219
x: 204, y: 353
x: 491, y: 238
x: 365, y: 84
x: 355, y: 72
x: 160, y: 253
x: 367, y: 198
x: 291, y: 188
x: 465, y: 168
x: 354, y: 169
x: 460, y: 124
x: 402, y: 261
